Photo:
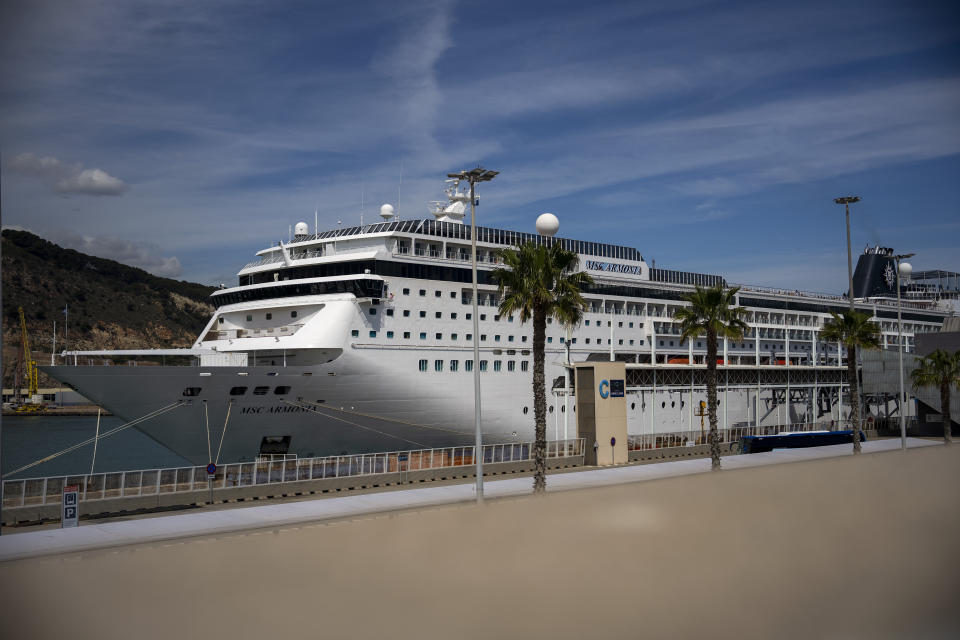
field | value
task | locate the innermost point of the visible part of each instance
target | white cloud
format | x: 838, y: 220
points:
x: 67, y: 178
x: 91, y: 181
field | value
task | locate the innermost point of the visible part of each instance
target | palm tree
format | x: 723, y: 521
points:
x: 711, y: 312
x: 538, y: 282
x: 852, y: 329
x: 940, y: 369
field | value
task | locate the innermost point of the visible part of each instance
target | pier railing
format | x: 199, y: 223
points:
x: 123, y: 484
x: 731, y: 435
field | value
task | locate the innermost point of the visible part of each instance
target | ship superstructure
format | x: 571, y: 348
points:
x: 360, y: 339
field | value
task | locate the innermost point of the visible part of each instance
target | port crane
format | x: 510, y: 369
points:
x: 28, y: 373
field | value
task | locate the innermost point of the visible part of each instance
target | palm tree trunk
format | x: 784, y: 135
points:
x: 539, y: 401
x: 854, y: 396
x: 945, y: 410
x: 712, y: 399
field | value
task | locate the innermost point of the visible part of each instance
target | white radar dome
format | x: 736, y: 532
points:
x: 386, y: 211
x: 905, y: 269
x: 301, y: 229
x: 547, y: 224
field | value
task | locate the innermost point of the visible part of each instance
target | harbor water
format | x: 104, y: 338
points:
x: 30, y: 438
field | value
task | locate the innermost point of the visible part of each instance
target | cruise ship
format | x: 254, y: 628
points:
x: 360, y: 339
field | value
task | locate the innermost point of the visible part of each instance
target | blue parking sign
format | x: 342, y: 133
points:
x: 71, y: 495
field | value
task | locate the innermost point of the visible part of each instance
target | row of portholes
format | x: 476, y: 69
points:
x: 526, y: 410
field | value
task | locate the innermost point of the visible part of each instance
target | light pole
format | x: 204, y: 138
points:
x: 473, y: 177
x: 907, y: 269
x: 846, y: 201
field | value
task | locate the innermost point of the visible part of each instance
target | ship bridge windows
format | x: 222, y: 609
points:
x: 360, y: 287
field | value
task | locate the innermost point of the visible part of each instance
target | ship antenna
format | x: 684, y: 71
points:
x: 316, y: 230
x: 400, y: 184
x: 361, y: 201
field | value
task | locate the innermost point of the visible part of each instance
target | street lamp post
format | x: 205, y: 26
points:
x: 846, y: 201
x: 473, y: 177
x: 907, y: 270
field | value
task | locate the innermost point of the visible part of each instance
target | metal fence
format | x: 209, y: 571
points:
x: 690, y: 438
x: 123, y: 484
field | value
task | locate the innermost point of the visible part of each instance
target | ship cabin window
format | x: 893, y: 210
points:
x: 389, y: 334
x: 192, y: 391
x: 631, y: 342
x: 406, y: 291
x: 619, y: 324
x: 373, y: 311
x: 496, y: 318
x: 588, y: 340
x: 561, y: 339
x: 496, y: 338
x: 390, y: 312
x: 281, y: 391
x: 438, y: 365
x: 355, y: 333
x: 523, y: 338
x: 238, y: 391
x: 483, y: 365
x: 293, y: 314
x: 423, y: 292
x: 525, y: 365
x: 671, y: 343
x: 260, y: 391
x: 406, y: 335
x: 621, y: 341
x: 423, y: 314
x: 453, y: 336
x: 453, y: 294
x: 469, y: 337
x: 453, y: 316
x: 406, y: 313
x: 220, y: 319
x: 468, y: 365
x: 423, y: 335
x: 438, y: 315
x: 454, y: 365
x: 423, y: 365
x: 439, y: 336
x: 511, y: 365
x: 586, y: 322
x: 509, y: 338
x: 437, y: 294
x: 483, y: 337
x: 469, y: 316
x: 483, y: 316
x: 550, y: 338
x: 631, y: 325
x: 574, y: 341
x: 249, y: 318
x: 497, y: 365
x: 373, y: 334
x: 269, y: 316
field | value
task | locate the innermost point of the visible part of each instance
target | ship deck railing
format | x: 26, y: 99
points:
x: 125, y: 484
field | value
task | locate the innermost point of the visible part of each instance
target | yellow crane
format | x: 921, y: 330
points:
x: 30, y: 374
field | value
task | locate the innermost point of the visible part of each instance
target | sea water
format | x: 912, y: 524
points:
x: 30, y: 438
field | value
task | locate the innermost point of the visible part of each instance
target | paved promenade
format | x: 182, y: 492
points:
x: 221, y: 521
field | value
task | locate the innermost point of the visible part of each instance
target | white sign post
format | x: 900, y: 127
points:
x: 71, y: 511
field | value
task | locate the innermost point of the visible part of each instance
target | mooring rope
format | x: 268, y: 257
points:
x: 206, y: 420
x: 385, y: 419
x: 143, y: 418
x: 384, y: 433
x: 224, y: 433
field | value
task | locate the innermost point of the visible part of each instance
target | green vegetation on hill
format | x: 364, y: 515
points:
x: 112, y: 306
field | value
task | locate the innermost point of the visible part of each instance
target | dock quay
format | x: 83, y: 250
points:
x: 34, y: 501
x: 206, y: 522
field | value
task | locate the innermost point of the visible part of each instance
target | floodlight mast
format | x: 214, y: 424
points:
x: 902, y: 399
x: 846, y: 201
x: 474, y: 176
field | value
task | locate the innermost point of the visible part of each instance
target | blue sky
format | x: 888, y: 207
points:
x: 712, y: 136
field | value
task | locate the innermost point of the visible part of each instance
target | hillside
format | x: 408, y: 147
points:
x: 112, y: 306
